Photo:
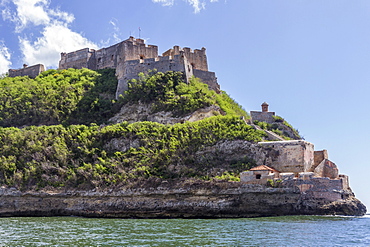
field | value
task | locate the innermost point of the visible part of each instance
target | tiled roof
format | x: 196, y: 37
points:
x: 263, y: 168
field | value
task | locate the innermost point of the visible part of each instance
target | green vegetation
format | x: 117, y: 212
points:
x: 168, y: 92
x: 63, y: 144
x: 279, y: 119
x: 84, y: 96
x: 274, y: 183
x: 92, y: 156
x: 277, y: 128
x: 55, y: 97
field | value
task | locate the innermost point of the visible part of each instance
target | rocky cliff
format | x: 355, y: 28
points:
x: 172, y: 150
x: 190, y: 199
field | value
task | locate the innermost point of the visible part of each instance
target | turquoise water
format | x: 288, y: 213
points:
x: 274, y: 231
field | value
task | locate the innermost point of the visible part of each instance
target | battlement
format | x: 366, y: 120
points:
x: 30, y: 71
x: 139, y: 42
x: 196, y: 58
x: 133, y: 56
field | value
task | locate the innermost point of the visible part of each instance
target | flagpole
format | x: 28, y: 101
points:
x: 139, y: 33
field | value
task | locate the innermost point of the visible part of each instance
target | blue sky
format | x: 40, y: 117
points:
x: 309, y: 59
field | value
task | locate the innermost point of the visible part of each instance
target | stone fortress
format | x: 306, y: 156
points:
x: 292, y: 163
x: 132, y: 56
x: 281, y: 164
x: 30, y: 71
x: 295, y: 163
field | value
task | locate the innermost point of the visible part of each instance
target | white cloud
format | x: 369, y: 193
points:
x: 55, y: 39
x: 55, y: 35
x: 164, y: 2
x: 4, y: 58
x: 197, y: 5
x: 31, y: 12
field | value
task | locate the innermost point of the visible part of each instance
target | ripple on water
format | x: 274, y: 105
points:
x: 274, y: 231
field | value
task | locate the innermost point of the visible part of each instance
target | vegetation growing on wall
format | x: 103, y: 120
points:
x: 93, y: 156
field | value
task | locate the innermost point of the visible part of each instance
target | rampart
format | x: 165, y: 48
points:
x: 290, y: 156
x: 132, y: 56
x: 30, y: 71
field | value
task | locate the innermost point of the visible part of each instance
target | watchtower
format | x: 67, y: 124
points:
x: 264, y: 115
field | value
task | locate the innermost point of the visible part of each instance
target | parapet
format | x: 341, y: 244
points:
x: 30, y: 71
x: 264, y: 115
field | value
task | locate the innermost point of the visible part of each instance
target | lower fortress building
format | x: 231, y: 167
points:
x: 132, y: 56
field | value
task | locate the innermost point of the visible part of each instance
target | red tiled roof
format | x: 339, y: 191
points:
x: 263, y: 168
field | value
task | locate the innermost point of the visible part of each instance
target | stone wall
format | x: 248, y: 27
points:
x: 130, y: 69
x: 197, y: 58
x: 326, y: 169
x: 289, y: 156
x: 208, y: 78
x: 133, y: 56
x: 77, y: 59
x: 319, y: 156
x: 30, y: 71
x: 267, y: 117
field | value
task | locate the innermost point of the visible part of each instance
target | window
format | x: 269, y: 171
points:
x: 258, y: 176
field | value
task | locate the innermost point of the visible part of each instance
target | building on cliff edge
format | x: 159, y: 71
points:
x: 132, y: 56
x: 30, y: 71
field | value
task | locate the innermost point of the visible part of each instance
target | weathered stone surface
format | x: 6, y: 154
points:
x: 30, y: 71
x: 132, y: 56
x: 144, y: 112
x: 192, y: 200
x: 290, y: 156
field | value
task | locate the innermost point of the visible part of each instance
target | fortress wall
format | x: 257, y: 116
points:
x: 208, y: 78
x: 133, y: 56
x: 137, y: 50
x: 77, y: 59
x: 345, y: 181
x: 319, y: 188
x: 31, y: 71
x: 106, y: 57
x: 197, y: 58
x: 319, y: 156
x: 327, y: 169
x: 131, y: 69
x: 289, y: 156
x: 263, y: 116
x: 172, y: 52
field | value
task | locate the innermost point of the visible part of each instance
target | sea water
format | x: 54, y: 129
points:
x: 270, y: 231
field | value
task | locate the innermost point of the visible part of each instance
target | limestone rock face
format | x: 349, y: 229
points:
x: 196, y: 199
x: 144, y: 112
